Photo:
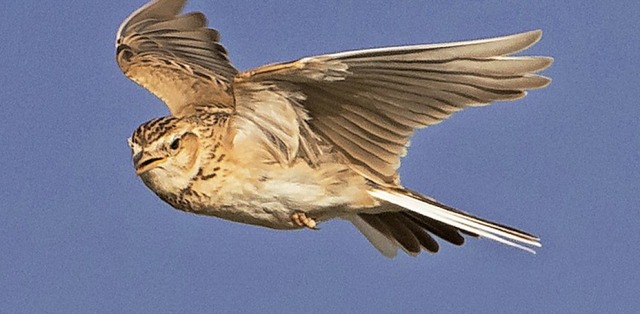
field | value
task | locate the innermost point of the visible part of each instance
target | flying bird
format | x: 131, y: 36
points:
x: 291, y: 145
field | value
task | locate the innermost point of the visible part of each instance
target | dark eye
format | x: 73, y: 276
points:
x: 175, y: 144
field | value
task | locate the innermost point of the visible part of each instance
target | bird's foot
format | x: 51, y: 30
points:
x: 301, y: 219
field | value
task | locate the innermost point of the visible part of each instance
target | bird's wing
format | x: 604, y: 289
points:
x: 367, y: 103
x: 176, y: 57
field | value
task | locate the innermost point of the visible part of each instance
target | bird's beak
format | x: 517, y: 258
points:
x: 144, y: 162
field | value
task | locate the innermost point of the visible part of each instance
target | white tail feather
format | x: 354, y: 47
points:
x: 467, y: 223
x: 385, y: 245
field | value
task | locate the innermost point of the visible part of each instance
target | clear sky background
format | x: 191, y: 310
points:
x: 79, y: 232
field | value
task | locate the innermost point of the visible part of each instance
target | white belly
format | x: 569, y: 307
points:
x: 269, y: 196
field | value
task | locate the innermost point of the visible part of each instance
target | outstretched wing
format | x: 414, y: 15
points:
x: 368, y: 103
x: 176, y: 57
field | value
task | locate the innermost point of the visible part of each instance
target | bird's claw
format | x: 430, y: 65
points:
x: 301, y: 219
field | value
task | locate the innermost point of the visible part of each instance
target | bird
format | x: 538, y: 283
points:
x: 294, y: 144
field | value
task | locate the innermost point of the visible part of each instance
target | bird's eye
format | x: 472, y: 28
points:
x: 175, y: 144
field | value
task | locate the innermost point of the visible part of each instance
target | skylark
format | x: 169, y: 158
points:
x: 290, y: 145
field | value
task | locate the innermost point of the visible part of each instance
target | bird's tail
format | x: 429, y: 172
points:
x: 412, y: 218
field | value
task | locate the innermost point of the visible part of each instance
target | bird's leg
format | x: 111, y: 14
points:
x: 301, y: 219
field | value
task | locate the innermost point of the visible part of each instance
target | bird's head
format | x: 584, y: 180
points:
x: 166, y: 153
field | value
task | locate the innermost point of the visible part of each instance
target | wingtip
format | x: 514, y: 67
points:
x: 536, y: 33
x: 152, y: 9
x: 545, y: 62
x: 526, y: 39
x: 533, y: 35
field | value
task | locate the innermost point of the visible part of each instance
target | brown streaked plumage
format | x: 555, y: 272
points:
x: 290, y: 145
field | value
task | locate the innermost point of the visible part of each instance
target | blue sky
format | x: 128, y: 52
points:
x: 80, y: 233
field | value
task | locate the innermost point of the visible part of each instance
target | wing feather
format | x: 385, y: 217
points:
x: 176, y: 57
x: 368, y: 103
